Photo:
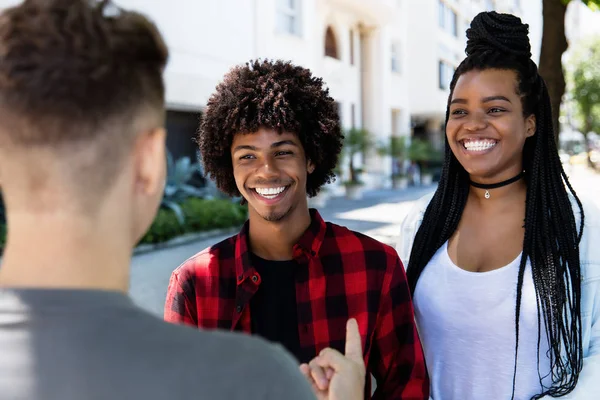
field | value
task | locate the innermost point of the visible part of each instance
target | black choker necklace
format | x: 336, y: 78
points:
x: 496, y: 185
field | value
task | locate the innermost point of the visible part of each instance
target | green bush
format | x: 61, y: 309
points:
x: 203, y: 215
x: 225, y: 214
x: 164, y: 227
x: 197, y: 215
x: 200, y: 215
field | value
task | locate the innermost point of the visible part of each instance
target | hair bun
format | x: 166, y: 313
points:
x: 491, y: 31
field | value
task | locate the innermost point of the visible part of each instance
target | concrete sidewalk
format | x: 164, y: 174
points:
x: 379, y: 214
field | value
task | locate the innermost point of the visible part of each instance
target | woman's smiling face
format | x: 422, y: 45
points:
x: 486, y: 128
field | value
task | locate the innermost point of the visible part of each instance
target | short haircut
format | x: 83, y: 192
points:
x: 78, y: 73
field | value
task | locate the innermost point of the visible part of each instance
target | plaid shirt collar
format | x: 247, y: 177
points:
x: 307, y: 247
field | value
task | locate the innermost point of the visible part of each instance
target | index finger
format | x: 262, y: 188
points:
x: 353, y: 342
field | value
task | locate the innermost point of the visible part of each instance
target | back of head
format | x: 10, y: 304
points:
x: 78, y: 78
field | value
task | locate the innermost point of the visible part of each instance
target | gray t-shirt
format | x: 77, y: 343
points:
x: 88, y: 345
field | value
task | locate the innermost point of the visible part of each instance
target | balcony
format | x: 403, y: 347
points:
x: 373, y: 12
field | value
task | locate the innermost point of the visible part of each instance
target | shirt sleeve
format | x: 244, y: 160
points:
x: 179, y: 308
x: 400, y: 369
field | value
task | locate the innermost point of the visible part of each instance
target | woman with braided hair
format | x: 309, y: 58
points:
x: 500, y: 261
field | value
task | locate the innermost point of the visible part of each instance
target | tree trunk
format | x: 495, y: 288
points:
x: 351, y: 166
x: 554, y: 44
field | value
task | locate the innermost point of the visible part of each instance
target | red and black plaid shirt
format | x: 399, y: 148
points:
x: 346, y: 275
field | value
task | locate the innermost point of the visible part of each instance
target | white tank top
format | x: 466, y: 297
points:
x: 466, y: 321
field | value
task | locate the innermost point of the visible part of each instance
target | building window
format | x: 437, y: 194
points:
x: 452, y: 22
x: 395, y: 55
x: 447, y: 18
x: 351, y: 47
x: 445, y: 72
x: 288, y: 17
x: 330, y: 44
x: 353, y: 115
x: 183, y: 125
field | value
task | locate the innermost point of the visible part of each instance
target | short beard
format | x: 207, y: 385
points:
x: 277, y: 217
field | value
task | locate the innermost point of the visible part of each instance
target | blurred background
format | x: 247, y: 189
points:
x: 388, y: 65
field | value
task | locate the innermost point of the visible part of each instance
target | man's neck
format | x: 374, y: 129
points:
x: 275, y: 240
x: 58, y: 251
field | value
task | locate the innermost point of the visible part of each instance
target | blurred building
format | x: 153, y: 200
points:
x: 386, y: 62
x: 359, y: 48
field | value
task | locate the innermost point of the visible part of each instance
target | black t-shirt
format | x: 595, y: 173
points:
x: 273, y: 307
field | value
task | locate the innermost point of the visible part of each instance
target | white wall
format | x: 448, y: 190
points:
x: 205, y: 39
x: 277, y: 45
x: 399, y: 81
x: 531, y: 13
x: 342, y: 78
x: 424, y: 38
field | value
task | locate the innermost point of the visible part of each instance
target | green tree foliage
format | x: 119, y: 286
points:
x: 356, y: 141
x: 584, y: 81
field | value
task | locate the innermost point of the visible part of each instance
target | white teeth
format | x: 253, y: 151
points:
x: 479, y: 145
x: 270, y: 193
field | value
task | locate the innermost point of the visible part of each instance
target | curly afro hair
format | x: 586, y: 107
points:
x: 275, y: 95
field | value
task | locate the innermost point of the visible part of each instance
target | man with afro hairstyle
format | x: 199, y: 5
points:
x: 271, y: 134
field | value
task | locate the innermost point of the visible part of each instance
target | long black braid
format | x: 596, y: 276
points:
x: 551, y: 241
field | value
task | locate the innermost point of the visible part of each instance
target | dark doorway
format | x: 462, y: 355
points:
x: 181, y: 133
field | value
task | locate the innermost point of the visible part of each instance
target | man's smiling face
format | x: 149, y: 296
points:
x: 270, y: 171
